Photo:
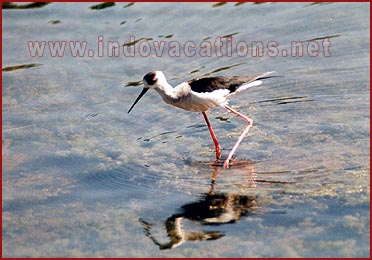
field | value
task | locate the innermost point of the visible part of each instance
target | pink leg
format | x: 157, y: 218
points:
x: 214, y: 138
x: 249, y: 122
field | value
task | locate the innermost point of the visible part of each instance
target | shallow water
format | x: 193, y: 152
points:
x: 82, y: 178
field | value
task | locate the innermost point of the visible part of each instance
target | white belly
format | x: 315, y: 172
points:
x: 199, y: 102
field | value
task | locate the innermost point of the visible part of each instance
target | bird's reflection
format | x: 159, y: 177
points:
x: 212, y: 208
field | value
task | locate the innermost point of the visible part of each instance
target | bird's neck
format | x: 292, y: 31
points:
x: 166, y: 91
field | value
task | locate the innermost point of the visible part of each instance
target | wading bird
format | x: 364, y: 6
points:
x: 201, y: 94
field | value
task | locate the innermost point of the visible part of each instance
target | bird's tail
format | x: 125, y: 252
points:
x: 249, y: 85
x: 256, y: 82
x: 265, y: 75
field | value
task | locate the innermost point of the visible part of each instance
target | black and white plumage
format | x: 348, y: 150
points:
x: 201, y: 94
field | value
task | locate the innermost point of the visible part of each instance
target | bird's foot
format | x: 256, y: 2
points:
x: 226, y: 164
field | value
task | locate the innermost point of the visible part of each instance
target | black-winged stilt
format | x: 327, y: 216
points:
x: 201, y: 94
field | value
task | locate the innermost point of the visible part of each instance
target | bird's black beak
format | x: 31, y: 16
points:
x: 144, y: 90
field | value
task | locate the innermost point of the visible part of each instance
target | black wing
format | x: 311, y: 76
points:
x: 213, y: 83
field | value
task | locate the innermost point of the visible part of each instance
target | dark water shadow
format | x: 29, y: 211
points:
x: 102, y: 6
x: 129, y: 4
x: 324, y: 37
x: 319, y: 3
x: 133, y: 83
x: 127, y: 44
x: 22, y: 66
x: 214, y: 208
x: 223, y: 68
x: 285, y: 100
x: 11, y: 5
x: 218, y: 4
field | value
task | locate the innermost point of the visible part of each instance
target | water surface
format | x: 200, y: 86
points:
x: 82, y: 178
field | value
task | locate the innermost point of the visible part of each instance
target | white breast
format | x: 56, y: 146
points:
x: 183, y: 97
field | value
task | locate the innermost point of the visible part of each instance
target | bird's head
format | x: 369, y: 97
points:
x: 151, y: 80
x: 154, y: 79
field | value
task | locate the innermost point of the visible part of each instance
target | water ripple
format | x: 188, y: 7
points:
x: 102, y: 6
x: 22, y: 66
x: 11, y: 5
